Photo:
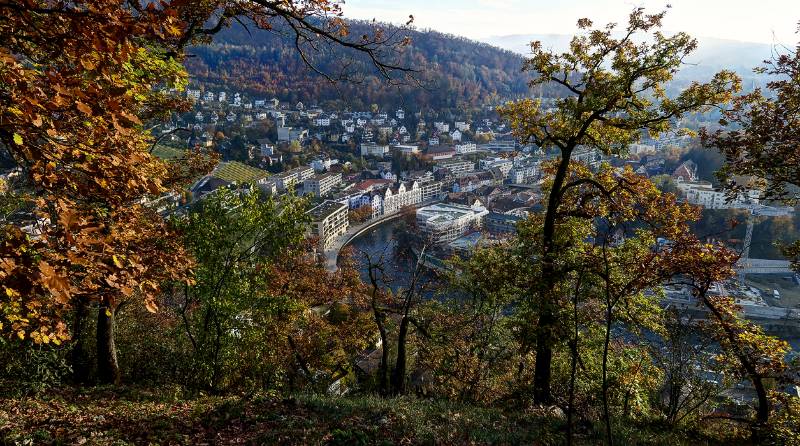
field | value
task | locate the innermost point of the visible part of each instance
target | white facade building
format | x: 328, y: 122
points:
x: 372, y: 149
x: 470, y: 147
x: 443, y: 223
x: 289, y: 178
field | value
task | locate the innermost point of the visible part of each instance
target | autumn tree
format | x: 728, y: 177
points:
x: 613, y: 94
x: 82, y: 82
x: 747, y: 352
x: 759, y: 136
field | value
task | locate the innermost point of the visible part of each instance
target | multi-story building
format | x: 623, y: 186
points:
x: 503, y: 164
x: 588, y: 155
x: 702, y: 193
x: 328, y: 221
x: 400, y: 196
x: 524, y: 171
x: 442, y: 126
x: 443, y: 223
x: 407, y: 149
x: 322, y: 164
x: 291, y: 134
x: 322, y: 184
x: 431, y: 190
x: 455, y: 166
x: 289, y: 178
x: 501, y: 224
x: 468, y: 147
x: 372, y: 149
x: 502, y: 145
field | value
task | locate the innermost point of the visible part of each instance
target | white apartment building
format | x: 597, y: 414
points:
x: 430, y: 190
x: 503, y: 164
x: 523, y: 173
x: 443, y: 223
x: 456, y: 167
x: 322, y: 122
x: 323, y: 164
x: 328, y: 222
x: 407, y: 149
x: 702, y: 193
x: 372, y: 149
x: 321, y: 185
x: 292, y: 177
x: 469, y: 147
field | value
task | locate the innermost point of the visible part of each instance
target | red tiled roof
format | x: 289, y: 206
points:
x: 370, y: 184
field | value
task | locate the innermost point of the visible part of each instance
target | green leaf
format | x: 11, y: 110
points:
x: 17, y: 139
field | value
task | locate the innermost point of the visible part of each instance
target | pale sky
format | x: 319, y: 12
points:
x: 765, y: 21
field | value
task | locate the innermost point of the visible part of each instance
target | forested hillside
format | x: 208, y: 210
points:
x: 452, y: 71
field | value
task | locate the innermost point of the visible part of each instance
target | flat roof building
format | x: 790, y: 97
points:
x: 443, y: 223
x: 328, y: 221
x: 322, y: 185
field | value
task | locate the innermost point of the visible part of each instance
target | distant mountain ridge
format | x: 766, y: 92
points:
x: 712, y: 54
x: 455, y: 71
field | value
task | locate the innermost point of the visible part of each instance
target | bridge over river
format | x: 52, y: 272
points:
x: 764, y: 266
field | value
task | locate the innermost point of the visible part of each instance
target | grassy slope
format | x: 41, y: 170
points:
x: 132, y: 416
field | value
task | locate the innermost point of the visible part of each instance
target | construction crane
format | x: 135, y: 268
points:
x: 756, y: 210
x: 748, y: 239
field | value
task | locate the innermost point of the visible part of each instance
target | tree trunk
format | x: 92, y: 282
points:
x: 107, y: 365
x: 383, y: 370
x: 399, y: 373
x: 78, y: 359
x: 606, y: 342
x: 546, y: 325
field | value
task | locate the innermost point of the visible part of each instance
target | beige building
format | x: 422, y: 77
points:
x: 328, y: 222
x: 322, y: 185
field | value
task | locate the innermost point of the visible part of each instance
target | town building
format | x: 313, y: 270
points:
x: 400, y: 196
x: 466, y: 148
x: 291, y: 134
x: 702, y: 193
x: 407, y: 149
x: 328, y: 222
x: 321, y: 185
x: 372, y: 149
x: 431, y: 190
x: 443, y: 223
x: 503, y: 164
x: 501, y: 224
x: 455, y: 166
x: 287, y: 180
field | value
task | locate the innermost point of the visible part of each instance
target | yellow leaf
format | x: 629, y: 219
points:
x: 21, y: 334
x: 17, y: 139
x: 116, y: 261
x: 108, y: 312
